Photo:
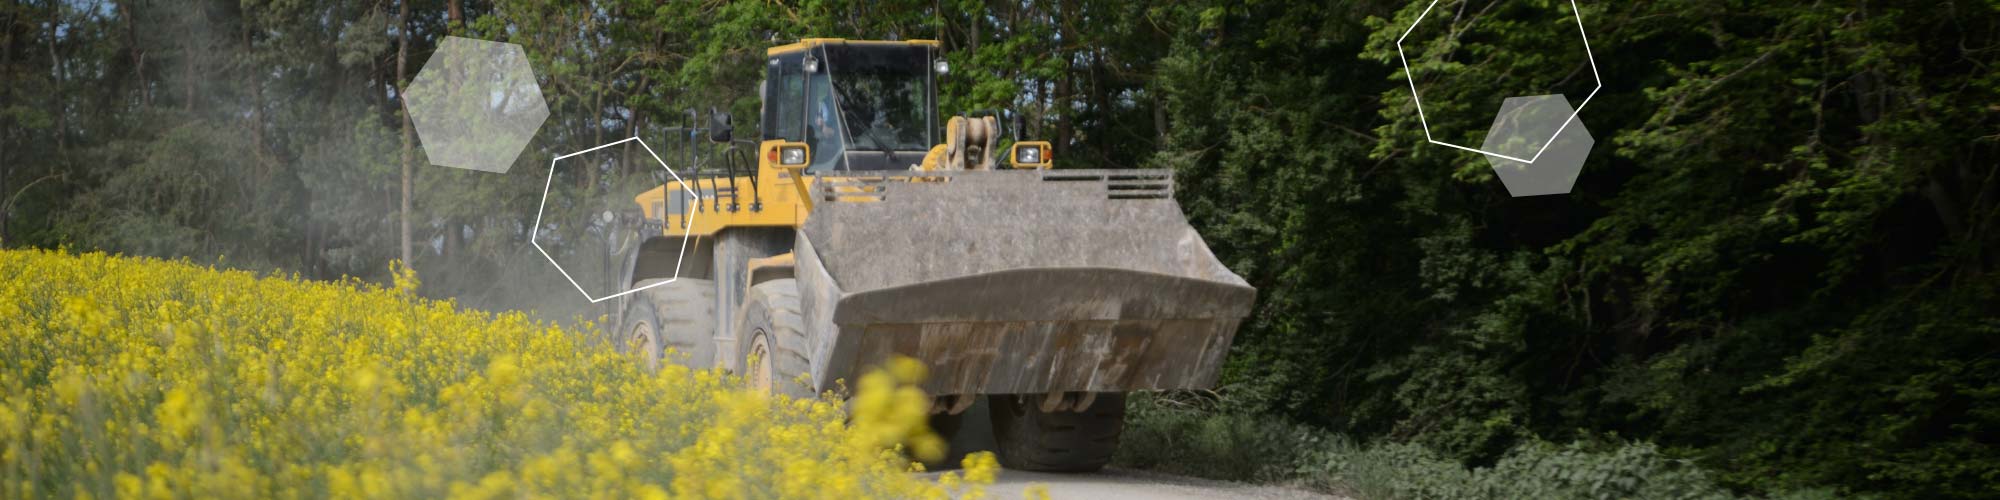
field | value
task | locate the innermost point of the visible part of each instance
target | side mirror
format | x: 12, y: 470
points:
x: 719, y: 127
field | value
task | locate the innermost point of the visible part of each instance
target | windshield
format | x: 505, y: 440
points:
x: 883, y: 94
x: 822, y: 127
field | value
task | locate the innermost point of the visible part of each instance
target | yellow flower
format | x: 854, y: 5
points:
x: 180, y: 413
x: 1036, y: 491
x: 201, y: 383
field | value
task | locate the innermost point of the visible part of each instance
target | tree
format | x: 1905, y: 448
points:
x: 402, y: 84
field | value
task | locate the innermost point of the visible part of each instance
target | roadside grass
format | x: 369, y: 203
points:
x: 1193, y: 435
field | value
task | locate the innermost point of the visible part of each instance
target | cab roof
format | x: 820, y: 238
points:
x: 807, y: 43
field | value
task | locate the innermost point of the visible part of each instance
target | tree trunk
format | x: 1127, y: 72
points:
x: 626, y: 164
x: 454, y: 238
x: 596, y: 138
x: 6, y: 124
x: 138, y: 55
x: 258, y: 160
x: 306, y: 254
x: 1100, y: 93
x: 193, y: 61
x: 455, y: 16
x: 1065, y: 82
x: 57, y: 67
x: 402, y: 89
x: 1065, y: 85
x: 378, y: 83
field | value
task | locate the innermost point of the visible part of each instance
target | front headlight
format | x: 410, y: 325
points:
x: 1028, y: 155
x: 941, y: 66
x: 791, y: 155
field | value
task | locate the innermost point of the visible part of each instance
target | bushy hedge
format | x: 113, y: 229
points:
x: 1195, y: 436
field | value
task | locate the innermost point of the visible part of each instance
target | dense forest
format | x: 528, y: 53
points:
x: 1780, y: 260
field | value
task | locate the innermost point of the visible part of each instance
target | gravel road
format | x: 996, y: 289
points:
x: 1126, y: 484
x: 1110, y: 483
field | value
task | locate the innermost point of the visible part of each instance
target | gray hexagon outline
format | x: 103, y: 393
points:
x: 418, y: 122
x: 1538, y: 153
x: 535, y: 233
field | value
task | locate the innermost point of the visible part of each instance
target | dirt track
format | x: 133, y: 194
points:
x: 1111, y: 483
x: 1124, y: 484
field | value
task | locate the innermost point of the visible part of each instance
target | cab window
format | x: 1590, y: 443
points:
x: 784, y: 101
x: 824, y: 131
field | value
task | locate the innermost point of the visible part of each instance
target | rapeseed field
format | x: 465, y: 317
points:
x: 140, y: 378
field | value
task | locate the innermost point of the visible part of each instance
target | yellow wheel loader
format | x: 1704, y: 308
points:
x: 860, y: 227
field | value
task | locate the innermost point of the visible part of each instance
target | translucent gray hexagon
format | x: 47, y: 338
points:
x: 476, y: 104
x: 1542, y: 125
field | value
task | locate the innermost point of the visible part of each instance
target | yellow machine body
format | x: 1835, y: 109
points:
x: 1022, y: 280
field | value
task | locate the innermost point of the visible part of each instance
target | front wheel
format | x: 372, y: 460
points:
x: 774, y: 340
x: 665, y: 314
x: 1063, y: 441
x: 639, y: 334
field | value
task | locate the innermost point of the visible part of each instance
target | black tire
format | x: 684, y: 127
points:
x: 678, y: 315
x: 946, y: 426
x: 638, y: 333
x: 773, y: 331
x: 1064, y: 441
x: 731, y: 253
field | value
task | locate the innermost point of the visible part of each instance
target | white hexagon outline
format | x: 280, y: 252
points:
x: 1538, y: 153
x: 536, y: 231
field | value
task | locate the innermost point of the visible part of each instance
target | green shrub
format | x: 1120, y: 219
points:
x: 1537, y: 470
x: 1193, y: 434
x: 1181, y: 436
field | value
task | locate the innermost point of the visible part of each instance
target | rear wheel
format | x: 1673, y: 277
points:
x: 677, y: 315
x: 775, y: 349
x: 1063, y: 441
x: 947, y: 427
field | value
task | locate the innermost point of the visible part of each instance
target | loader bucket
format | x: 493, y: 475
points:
x: 1015, y: 282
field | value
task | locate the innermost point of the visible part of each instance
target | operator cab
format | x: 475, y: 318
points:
x: 857, y: 105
